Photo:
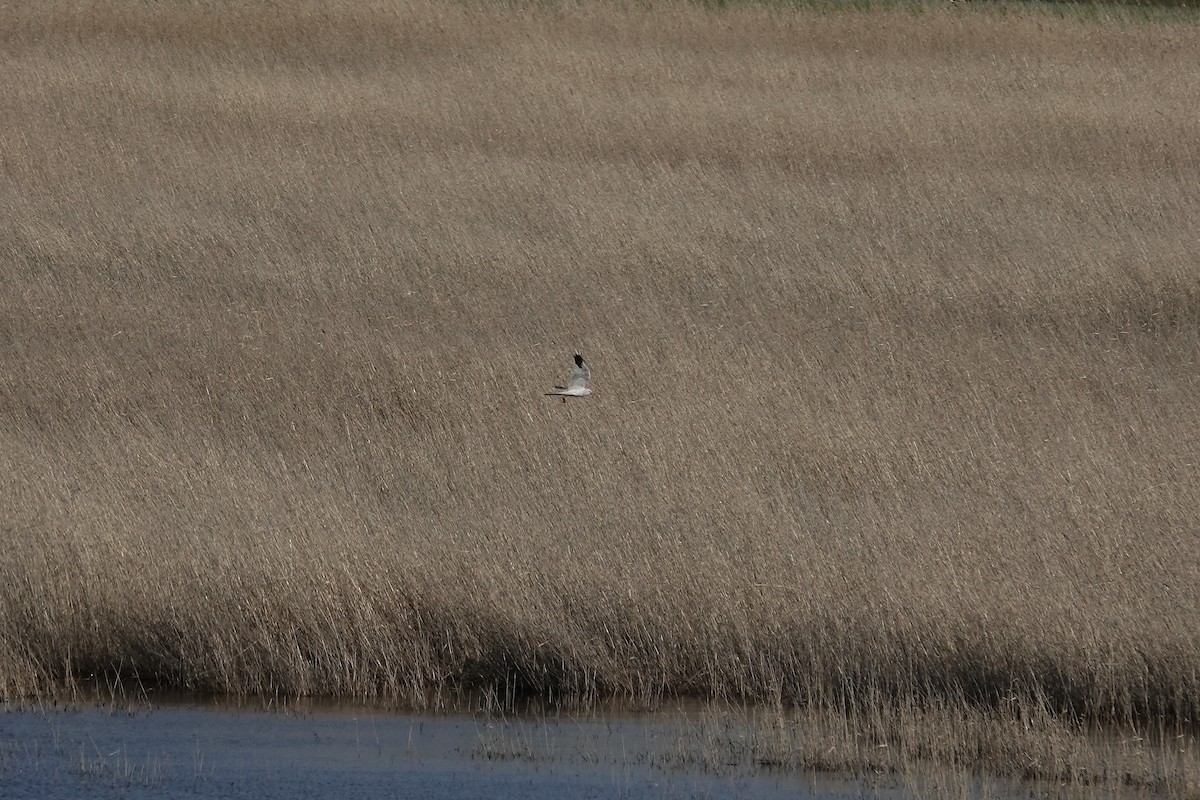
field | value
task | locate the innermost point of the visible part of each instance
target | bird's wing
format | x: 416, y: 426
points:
x: 580, y: 375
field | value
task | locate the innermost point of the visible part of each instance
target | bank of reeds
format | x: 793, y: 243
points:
x: 894, y: 320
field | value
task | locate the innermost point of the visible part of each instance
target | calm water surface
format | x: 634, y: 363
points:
x: 209, y: 751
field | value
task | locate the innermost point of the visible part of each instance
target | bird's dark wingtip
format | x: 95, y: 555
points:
x: 578, y: 360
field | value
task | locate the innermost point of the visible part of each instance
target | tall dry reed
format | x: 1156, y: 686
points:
x: 894, y: 320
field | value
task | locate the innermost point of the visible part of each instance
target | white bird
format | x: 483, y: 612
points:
x: 578, y: 385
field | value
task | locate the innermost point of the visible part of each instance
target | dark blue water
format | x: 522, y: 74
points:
x: 205, y: 751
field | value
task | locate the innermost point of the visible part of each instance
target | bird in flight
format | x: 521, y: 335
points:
x: 578, y: 385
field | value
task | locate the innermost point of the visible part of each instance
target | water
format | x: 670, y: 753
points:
x: 210, y: 751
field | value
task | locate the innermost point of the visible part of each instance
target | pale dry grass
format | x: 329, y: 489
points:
x: 894, y: 321
x: 945, y: 750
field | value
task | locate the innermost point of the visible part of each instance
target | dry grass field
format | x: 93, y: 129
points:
x: 894, y: 320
